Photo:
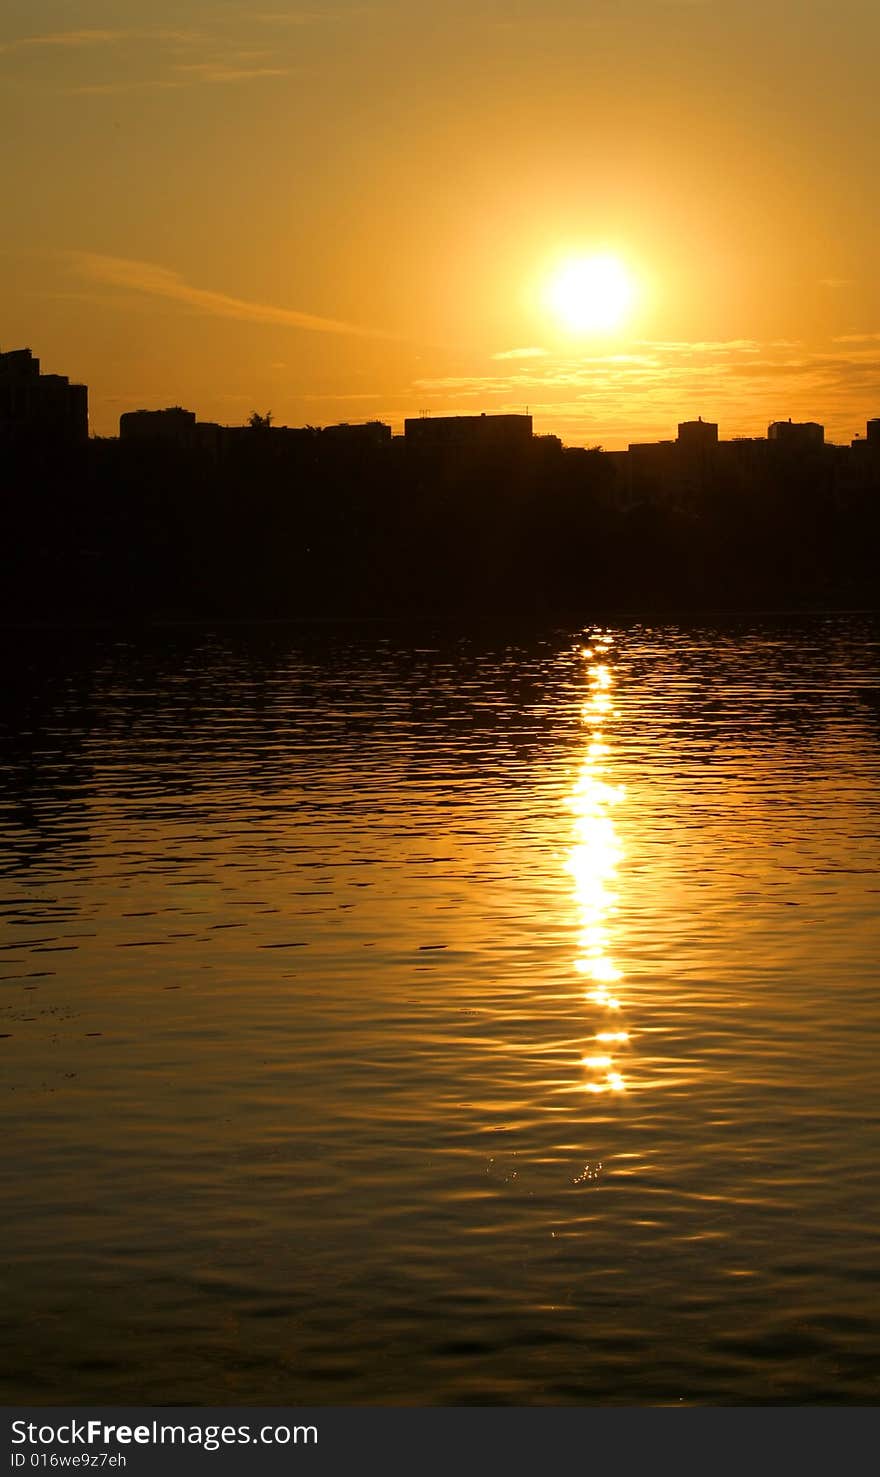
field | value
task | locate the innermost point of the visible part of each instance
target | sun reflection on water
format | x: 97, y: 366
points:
x: 593, y: 861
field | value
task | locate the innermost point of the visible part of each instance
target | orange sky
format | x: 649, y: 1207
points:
x: 348, y: 211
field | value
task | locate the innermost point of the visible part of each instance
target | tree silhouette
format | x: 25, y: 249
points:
x: 259, y: 422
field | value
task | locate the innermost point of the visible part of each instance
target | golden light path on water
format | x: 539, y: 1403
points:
x: 593, y: 861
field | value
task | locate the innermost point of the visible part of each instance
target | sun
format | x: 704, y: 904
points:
x: 591, y: 294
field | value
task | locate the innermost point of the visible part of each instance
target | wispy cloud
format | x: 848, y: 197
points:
x: 288, y: 17
x: 143, y: 84
x: 62, y: 39
x: 534, y: 353
x: 224, y: 52
x: 76, y: 40
x: 158, y: 281
x: 223, y: 72
x: 692, y: 347
x: 359, y: 395
x: 182, y: 75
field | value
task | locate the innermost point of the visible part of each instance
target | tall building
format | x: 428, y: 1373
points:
x: 697, y: 450
x: 651, y: 470
x: 796, y: 434
x: 698, y: 435
x: 468, y: 432
x: 40, y: 408
x: 861, y: 469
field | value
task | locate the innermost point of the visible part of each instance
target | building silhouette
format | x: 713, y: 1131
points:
x: 468, y: 432
x: 174, y: 425
x: 177, y: 427
x: 40, y: 408
x: 697, y: 436
x: 796, y: 434
x: 368, y: 433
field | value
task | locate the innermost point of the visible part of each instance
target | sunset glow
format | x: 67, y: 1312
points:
x: 341, y: 214
x: 591, y: 294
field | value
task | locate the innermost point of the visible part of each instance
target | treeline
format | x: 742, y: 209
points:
x: 302, y: 527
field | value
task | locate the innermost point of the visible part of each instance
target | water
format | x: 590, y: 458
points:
x: 438, y: 1020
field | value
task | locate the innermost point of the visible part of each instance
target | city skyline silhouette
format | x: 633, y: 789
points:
x: 182, y: 519
x: 49, y: 404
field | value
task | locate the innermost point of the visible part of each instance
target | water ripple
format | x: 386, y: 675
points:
x: 486, y: 1021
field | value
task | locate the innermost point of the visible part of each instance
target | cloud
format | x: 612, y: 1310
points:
x: 74, y: 40
x: 194, y: 75
x: 288, y: 17
x: 703, y: 346
x: 520, y: 354
x: 158, y: 281
x: 63, y: 38
x: 222, y: 55
x: 236, y: 64
x: 222, y: 72
x: 97, y: 89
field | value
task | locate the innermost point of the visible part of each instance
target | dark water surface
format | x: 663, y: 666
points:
x: 442, y: 1021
